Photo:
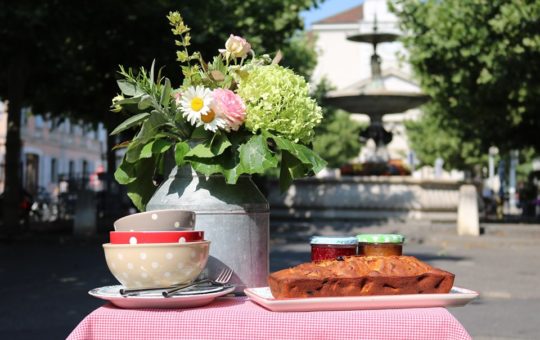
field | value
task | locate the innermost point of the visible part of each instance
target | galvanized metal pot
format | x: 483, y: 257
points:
x: 235, y: 218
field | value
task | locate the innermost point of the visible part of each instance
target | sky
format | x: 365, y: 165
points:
x: 328, y: 8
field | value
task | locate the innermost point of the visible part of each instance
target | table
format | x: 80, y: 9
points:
x: 239, y: 318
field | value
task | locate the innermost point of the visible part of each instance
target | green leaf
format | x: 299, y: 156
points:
x: 226, y: 164
x: 166, y: 94
x: 127, y: 101
x: 199, y: 133
x: 160, y: 146
x: 301, y: 152
x: 152, y: 72
x: 255, y: 157
x: 232, y: 174
x: 220, y: 143
x: 180, y: 151
x: 151, y: 127
x: 285, y: 176
x: 124, y: 174
x: 182, y: 56
x: 202, y: 150
x: 141, y: 190
x: 291, y: 169
x: 128, y: 88
x: 206, y: 169
x: 130, y: 122
x: 210, y: 149
x: 146, y: 151
x: 145, y: 102
x: 133, y: 152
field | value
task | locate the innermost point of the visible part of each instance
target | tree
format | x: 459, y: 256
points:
x: 431, y: 139
x: 61, y: 56
x: 299, y: 54
x: 337, y: 137
x: 337, y: 140
x: 479, y: 61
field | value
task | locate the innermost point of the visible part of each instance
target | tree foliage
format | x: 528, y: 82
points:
x: 430, y: 138
x: 60, y: 56
x: 299, y: 54
x: 479, y: 60
x: 70, y: 50
x: 337, y: 137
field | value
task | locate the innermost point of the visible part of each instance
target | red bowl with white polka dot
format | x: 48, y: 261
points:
x: 144, y: 237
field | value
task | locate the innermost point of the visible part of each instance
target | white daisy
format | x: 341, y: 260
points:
x: 195, y: 102
x: 213, y: 121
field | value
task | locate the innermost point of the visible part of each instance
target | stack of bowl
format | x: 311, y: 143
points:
x: 156, y: 249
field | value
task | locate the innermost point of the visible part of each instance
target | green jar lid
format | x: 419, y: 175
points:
x: 380, y: 238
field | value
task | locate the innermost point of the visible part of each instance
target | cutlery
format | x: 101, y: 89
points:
x: 223, y: 277
x: 124, y: 291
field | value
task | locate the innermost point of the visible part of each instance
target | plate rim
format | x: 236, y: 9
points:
x: 462, y: 294
x: 216, y: 294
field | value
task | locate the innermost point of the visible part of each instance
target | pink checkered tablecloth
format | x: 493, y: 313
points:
x: 239, y: 318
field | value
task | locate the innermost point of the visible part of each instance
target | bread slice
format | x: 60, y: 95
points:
x: 359, y: 276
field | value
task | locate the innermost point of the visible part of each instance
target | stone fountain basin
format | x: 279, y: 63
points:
x: 400, y: 198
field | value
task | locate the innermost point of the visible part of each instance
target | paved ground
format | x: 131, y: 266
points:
x: 45, y: 276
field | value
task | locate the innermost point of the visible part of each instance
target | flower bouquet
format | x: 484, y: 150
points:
x: 239, y: 114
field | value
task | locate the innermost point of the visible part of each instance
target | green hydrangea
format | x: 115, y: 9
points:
x: 278, y: 100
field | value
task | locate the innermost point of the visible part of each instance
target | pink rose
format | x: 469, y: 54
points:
x: 177, y: 98
x: 229, y: 105
x: 236, y: 46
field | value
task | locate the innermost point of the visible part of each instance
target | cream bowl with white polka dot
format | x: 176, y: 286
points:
x: 157, y: 220
x: 156, y: 264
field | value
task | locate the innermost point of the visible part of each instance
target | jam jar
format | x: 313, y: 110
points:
x: 331, y: 247
x: 380, y: 244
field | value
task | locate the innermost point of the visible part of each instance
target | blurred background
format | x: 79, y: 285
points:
x: 419, y: 99
x: 407, y: 91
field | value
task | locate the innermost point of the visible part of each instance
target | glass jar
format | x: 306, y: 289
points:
x: 329, y: 248
x: 380, y: 244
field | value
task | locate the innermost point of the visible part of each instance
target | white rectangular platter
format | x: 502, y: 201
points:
x: 457, y: 297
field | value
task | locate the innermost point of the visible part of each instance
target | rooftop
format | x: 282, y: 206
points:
x: 349, y: 16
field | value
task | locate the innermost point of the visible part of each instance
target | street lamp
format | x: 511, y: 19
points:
x: 514, y: 158
x: 493, y: 151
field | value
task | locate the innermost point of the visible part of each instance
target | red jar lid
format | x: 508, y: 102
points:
x: 136, y: 237
x: 334, y: 240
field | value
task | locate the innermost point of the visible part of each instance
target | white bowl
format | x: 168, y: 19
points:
x: 156, y: 264
x: 157, y: 220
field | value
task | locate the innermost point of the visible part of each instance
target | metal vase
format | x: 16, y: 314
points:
x: 234, y: 217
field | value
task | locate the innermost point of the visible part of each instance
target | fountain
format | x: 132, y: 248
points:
x: 369, y: 194
x: 375, y: 100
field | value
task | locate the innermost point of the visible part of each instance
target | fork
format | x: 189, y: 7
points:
x: 223, y: 277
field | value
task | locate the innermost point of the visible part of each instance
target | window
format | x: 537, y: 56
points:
x: 84, y: 169
x: 32, y: 173
x: 71, y: 127
x: 24, y: 116
x: 54, y: 170
x: 71, y: 169
x: 2, y: 166
x: 38, y: 121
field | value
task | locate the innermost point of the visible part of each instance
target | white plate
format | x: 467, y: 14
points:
x: 155, y: 299
x: 456, y: 297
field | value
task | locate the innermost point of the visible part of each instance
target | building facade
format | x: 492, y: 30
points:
x: 54, y: 154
